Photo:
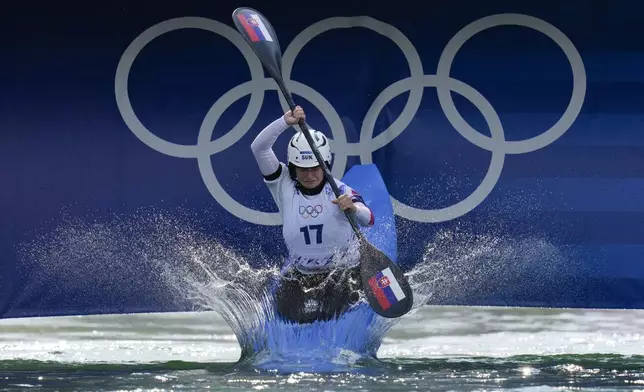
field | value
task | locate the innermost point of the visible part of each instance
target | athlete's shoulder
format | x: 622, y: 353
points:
x: 346, y: 189
x: 279, y: 184
x: 328, y: 190
x: 342, y: 186
x: 280, y: 175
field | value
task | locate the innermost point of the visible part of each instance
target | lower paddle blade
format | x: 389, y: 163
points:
x: 386, y: 287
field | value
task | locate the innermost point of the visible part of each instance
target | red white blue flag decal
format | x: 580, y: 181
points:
x: 254, y: 26
x: 386, y: 288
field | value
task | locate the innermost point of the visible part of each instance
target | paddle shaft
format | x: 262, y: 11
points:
x: 318, y: 156
x: 372, y: 260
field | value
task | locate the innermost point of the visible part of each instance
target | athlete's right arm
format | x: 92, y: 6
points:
x: 262, y: 148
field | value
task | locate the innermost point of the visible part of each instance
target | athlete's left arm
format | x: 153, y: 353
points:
x: 352, y: 201
x: 364, y: 215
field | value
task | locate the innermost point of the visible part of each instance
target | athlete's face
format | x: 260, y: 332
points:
x: 309, y: 177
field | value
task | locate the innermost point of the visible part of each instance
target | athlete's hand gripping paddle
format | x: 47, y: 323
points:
x: 387, y: 289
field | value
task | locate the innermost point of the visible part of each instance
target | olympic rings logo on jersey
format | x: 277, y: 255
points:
x: 414, y: 84
x: 311, y: 211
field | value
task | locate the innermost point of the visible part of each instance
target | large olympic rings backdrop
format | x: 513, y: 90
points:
x: 415, y: 84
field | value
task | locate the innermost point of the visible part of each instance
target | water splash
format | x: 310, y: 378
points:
x: 166, y: 258
x: 221, y: 280
x: 460, y: 267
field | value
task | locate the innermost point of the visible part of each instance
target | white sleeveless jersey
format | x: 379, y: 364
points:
x: 314, y: 228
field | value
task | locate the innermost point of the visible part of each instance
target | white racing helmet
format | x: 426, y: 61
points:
x: 300, y: 153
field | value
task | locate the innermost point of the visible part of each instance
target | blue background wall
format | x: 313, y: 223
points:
x: 532, y: 197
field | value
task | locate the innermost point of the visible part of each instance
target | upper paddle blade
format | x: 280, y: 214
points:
x: 386, y: 287
x: 261, y: 37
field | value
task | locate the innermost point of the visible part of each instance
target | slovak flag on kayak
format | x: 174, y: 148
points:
x: 253, y: 25
x: 386, y: 288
